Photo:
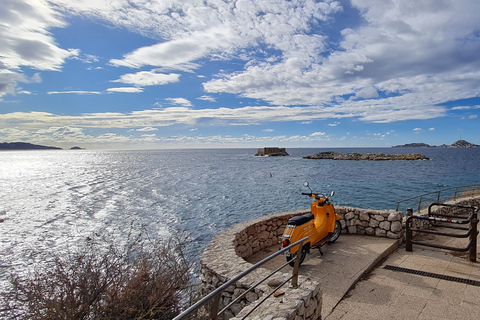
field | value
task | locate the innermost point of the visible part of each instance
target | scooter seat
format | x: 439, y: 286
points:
x: 299, y: 220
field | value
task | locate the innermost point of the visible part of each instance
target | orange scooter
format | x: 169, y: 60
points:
x: 321, y: 226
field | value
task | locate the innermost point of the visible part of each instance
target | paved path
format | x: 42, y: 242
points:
x: 342, y: 265
x: 388, y: 294
x: 391, y: 294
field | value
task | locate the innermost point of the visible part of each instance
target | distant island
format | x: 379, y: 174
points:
x: 29, y: 146
x: 333, y: 155
x: 25, y: 146
x: 457, y: 144
x: 271, y: 152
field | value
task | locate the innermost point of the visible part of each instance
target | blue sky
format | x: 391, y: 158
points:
x: 141, y: 74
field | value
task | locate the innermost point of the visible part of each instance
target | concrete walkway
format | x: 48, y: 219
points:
x: 342, y: 265
x: 357, y: 285
x: 447, y: 286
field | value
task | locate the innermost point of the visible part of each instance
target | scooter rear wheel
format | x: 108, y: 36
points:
x: 336, y: 232
x: 291, y: 258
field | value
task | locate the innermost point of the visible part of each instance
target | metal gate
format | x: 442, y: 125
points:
x: 443, y: 217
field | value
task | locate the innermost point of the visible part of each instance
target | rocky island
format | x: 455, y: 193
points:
x: 457, y: 144
x: 333, y: 155
x: 25, y: 146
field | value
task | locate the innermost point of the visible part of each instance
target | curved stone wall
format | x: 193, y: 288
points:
x: 225, y: 256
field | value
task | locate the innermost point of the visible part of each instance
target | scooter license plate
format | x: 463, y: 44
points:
x: 285, y: 253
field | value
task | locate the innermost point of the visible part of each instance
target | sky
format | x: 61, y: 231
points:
x: 146, y: 74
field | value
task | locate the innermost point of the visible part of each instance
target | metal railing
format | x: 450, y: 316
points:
x: 422, y: 202
x: 444, y: 220
x: 217, y: 294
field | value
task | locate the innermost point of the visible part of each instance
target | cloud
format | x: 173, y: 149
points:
x: 473, y: 116
x: 207, y: 98
x: 180, y: 101
x: 417, y: 130
x: 148, y: 78
x: 268, y: 130
x: 74, y: 92
x: 318, y: 134
x: 431, y: 129
x: 125, y: 89
x: 368, y: 92
x: 147, y: 129
x: 26, y: 42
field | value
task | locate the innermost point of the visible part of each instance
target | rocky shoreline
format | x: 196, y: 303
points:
x: 333, y: 155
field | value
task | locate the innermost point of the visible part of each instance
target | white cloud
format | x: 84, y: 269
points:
x: 431, y: 129
x: 148, y: 78
x: 147, y: 129
x: 126, y: 89
x: 207, y: 98
x: 74, y: 92
x: 26, y: 41
x: 318, y: 134
x: 368, y: 92
x: 473, y: 116
x: 268, y: 130
x: 180, y: 101
x: 417, y: 130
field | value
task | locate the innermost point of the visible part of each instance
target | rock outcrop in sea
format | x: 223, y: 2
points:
x: 333, y: 155
x: 457, y: 144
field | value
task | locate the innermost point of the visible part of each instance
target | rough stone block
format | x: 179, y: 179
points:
x: 393, y: 235
x: 364, y: 216
x: 352, y: 229
x: 394, y: 216
x: 385, y: 225
x: 374, y: 223
x: 380, y: 232
x: 396, y: 226
x: 349, y: 215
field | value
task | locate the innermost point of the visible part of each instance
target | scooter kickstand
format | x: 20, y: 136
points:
x: 320, y: 250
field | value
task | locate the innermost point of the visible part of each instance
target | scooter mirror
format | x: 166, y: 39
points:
x: 332, y: 194
x: 305, y: 184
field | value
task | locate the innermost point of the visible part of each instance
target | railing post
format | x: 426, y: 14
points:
x: 420, y: 204
x: 438, y: 198
x: 408, y: 234
x: 215, y: 305
x: 472, y: 252
x: 296, y: 266
x: 455, y: 195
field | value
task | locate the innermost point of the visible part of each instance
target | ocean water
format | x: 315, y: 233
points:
x: 52, y: 200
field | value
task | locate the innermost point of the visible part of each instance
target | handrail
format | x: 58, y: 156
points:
x: 216, y: 294
x: 436, y: 196
x: 472, y: 233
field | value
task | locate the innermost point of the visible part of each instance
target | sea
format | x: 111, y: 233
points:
x: 51, y: 201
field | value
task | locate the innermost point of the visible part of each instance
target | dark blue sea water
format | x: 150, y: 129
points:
x: 52, y: 199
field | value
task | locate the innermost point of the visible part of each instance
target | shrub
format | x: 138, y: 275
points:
x: 143, y: 279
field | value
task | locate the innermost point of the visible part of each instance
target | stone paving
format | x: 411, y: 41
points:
x: 388, y: 294
x: 342, y: 265
x: 356, y: 284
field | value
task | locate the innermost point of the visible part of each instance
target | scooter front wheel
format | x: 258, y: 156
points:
x: 291, y: 258
x: 336, y: 232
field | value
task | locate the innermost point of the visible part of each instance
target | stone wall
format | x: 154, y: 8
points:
x: 221, y: 261
x: 224, y: 258
x: 379, y: 223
